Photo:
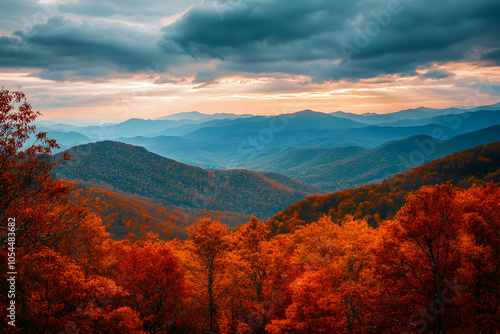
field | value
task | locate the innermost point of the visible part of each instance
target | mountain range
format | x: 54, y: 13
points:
x: 229, y: 141
x: 411, y: 114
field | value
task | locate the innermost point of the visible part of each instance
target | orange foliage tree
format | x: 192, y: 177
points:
x: 29, y: 198
x: 204, y: 257
x: 332, y: 294
x: 257, y: 279
x: 27, y: 192
x: 480, y: 270
x: 65, y: 300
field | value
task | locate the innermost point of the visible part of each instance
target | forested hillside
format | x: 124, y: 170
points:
x: 376, y: 203
x: 132, y: 217
x: 117, y: 166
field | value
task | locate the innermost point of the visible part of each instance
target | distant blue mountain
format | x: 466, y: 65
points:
x: 244, y: 141
x: 197, y: 116
x: 410, y: 114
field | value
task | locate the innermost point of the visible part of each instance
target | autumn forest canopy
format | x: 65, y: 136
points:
x: 111, y: 238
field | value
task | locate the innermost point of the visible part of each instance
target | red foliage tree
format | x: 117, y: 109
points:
x: 332, y: 294
x: 438, y: 262
x: 155, y: 285
x: 204, y: 257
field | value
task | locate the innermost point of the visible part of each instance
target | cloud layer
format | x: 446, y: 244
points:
x: 322, y: 39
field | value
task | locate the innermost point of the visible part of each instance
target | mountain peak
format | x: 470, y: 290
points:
x: 307, y: 112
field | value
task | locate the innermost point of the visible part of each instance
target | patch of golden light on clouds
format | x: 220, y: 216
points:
x: 18, y: 77
x: 174, y: 18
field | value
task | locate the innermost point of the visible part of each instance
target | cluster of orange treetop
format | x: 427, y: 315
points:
x: 433, y: 268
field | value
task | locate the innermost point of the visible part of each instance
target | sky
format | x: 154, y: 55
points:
x: 118, y: 59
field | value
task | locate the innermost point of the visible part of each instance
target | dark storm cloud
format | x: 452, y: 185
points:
x: 493, y: 56
x: 333, y: 40
x: 21, y: 14
x: 217, y: 29
x: 65, y: 50
x: 324, y: 39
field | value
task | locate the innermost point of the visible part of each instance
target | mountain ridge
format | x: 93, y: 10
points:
x: 135, y: 170
x: 379, y: 202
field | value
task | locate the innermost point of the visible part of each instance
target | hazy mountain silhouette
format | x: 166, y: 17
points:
x: 339, y: 168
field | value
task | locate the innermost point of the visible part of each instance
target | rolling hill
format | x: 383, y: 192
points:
x: 65, y: 139
x: 131, y: 169
x: 251, y: 147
